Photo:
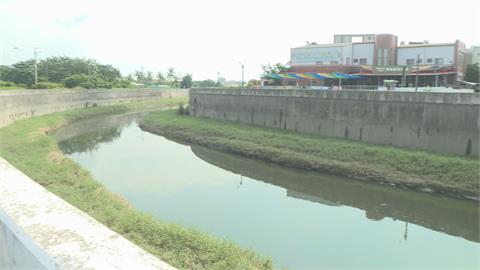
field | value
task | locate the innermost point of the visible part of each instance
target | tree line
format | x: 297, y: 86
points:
x: 59, y: 72
x: 62, y: 72
x: 171, y: 78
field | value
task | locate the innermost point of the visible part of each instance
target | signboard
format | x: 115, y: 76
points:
x: 391, y: 69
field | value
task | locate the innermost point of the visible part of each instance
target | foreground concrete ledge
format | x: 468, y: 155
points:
x: 59, y: 235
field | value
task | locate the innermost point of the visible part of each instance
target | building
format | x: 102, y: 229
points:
x: 379, y: 57
x: 474, y: 55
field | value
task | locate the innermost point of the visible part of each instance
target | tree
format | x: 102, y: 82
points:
x: 268, y: 70
x: 20, y: 73
x: 139, y: 76
x: 186, y: 81
x: 58, y: 69
x: 472, y: 73
x: 172, y: 76
x: 75, y: 80
x: 148, y: 78
x: 206, y: 83
x: 253, y: 82
x: 107, y: 72
x: 86, y: 81
x: 160, y: 77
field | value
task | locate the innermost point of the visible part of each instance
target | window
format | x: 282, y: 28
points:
x: 355, y: 61
x: 438, y: 61
x: 385, y: 56
x: 363, y: 61
x: 379, y: 57
x: 334, y: 62
x: 410, y: 62
x: 429, y: 60
x: 419, y: 60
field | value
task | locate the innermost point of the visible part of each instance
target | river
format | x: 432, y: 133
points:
x: 302, y: 220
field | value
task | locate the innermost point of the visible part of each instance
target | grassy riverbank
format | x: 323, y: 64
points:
x: 414, y: 169
x: 27, y: 145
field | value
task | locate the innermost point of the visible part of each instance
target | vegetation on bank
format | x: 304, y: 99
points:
x: 66, y: 72
x: 58, y: 72
x: 452, y: 175
x: 28, y: 146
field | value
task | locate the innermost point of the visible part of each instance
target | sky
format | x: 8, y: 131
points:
x: 208, y: 37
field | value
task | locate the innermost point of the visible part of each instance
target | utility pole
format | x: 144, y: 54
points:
x: 243, y: 75
x: 404, y: 76
x: 416, y: 73
x: 35, y: 52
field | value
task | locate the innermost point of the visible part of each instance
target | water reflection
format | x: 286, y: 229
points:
x: 86, y: 135
x: 453, y: 216
x: 89, y: 141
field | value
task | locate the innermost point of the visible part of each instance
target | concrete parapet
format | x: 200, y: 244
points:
x: 442, y: 122
x: 18, y: 104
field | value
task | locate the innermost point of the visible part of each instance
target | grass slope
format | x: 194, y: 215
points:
x: 415, y: 169
x: 27, y: 145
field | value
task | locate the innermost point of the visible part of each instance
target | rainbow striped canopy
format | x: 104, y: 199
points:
x: 310, y: 76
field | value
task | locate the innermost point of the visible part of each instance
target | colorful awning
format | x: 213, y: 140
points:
x: 310, y: 76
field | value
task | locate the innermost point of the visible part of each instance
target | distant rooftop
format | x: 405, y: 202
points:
x: 423, y: 44
x: 315, y: 45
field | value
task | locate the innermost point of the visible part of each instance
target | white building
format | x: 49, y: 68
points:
x: 429, y: 54
x: 474, y: 54
x: 333, y: 54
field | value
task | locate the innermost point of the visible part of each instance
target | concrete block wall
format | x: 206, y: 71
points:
x: 441, y: 122
x: 16, y: 104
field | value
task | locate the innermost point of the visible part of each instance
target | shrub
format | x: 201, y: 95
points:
x: 122, y: 83
x: 45, y: 85
x: 181, y: 110
x: 86, y: 81
x: 75, y: 80
x: 6, y: 84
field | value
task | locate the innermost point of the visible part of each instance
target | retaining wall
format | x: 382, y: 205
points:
x: 15, y: 104
x: 441, y: 122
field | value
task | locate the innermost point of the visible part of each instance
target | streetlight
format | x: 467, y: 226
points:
x: 4, y: 53
x: 4, y: 56
x: 243, y: 72
x: 416, y: 74
x: 35, y: 52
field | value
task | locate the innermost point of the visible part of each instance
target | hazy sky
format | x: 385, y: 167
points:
x: 209, y: 36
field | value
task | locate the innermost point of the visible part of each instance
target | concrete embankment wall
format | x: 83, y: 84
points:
x: 16, y: 104
x: 440, y: 122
